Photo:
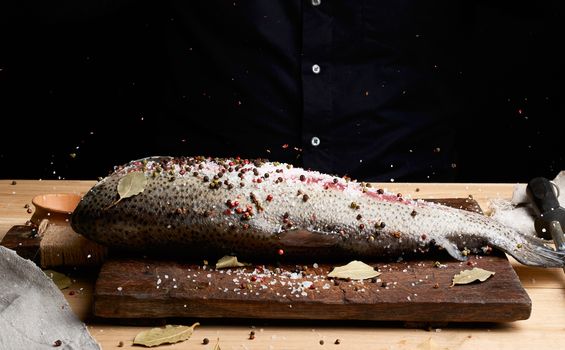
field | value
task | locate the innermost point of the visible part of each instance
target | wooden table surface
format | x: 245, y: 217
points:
x: 545, y: 329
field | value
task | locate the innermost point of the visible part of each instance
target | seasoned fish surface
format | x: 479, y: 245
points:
x: 261, y: 210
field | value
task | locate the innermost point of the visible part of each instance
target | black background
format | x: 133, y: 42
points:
x: 84, y: 78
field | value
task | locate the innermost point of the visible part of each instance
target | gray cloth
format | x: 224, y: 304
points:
x: 518, y: 212
x: 33, y: 312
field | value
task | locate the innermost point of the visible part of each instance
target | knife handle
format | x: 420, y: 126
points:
x: 541, y: 192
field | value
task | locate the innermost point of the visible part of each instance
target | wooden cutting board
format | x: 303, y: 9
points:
x: 412, y: 291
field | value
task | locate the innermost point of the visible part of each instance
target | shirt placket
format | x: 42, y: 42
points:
x: 316, y: 82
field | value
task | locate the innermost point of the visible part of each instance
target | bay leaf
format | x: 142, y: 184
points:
x: 168, y: 335
x: 60, y: 280
x: 356, y: 270
x: 468, y: 276
x: 229, y: 261
x: 130, y: 185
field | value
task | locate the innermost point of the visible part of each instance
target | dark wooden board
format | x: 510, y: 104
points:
x: 410, y: 291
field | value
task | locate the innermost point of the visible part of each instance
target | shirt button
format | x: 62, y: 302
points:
x: 316, y: 2
x: 316, y: 69
x: 315, y: 141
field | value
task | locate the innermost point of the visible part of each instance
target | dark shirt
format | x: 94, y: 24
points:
x: 358, y: 87
x: 368, y: 89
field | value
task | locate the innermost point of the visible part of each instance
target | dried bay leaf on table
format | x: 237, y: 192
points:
x: 168, y: 335
x: 60, y: 280
x: 229, y: 261
x: 468, y: 276
x: 356, y: 270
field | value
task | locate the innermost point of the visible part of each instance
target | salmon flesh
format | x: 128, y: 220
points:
x: 257, y: 209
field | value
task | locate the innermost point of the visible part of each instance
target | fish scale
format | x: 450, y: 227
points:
x: 202, y: 207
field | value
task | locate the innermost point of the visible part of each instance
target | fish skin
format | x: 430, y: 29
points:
x: 280, y: 209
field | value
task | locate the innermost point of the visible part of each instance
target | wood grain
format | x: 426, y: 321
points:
x: 410, y: 291
x: 543, y: 330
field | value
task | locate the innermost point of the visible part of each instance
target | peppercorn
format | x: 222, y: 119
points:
x: 57, y: 343
x: 359, y: 217
x: 305, y: 198
x: 206, y: 179
x: 337, y: 342
x: 251, y: 335
x: 413, y: 213
x: 205, y: 341
x: 380, y: 191
x: 302, y: 178
x: 322, y: 342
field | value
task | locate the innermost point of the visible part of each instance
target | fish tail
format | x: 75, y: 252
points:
x: 532, y: 251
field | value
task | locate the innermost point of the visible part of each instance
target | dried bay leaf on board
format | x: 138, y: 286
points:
x: 229, y: 261
x: 168, y: 335
x: 468, y: 276
x: 356, y: 270
x: 60, y: 280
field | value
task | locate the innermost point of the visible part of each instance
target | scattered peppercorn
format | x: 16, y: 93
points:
x: 206, y: 179
x: 14, y: 182
x: 380, y: 191
x: 121, y: 344
x: 251, y: 335
x: 57, y: 343
x: 305, y: 198
x: 205, y: 341
x: 29, y: 210
x: 413, y: 213
x: 359, y: 217
x: 322, y: 342
x: 337, y: 342
x: 269, y: 197
x: 302, y: 178
x: 354, y: 205
x: 335, y: 180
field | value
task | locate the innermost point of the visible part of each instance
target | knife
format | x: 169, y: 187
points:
x: 550, y: 216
